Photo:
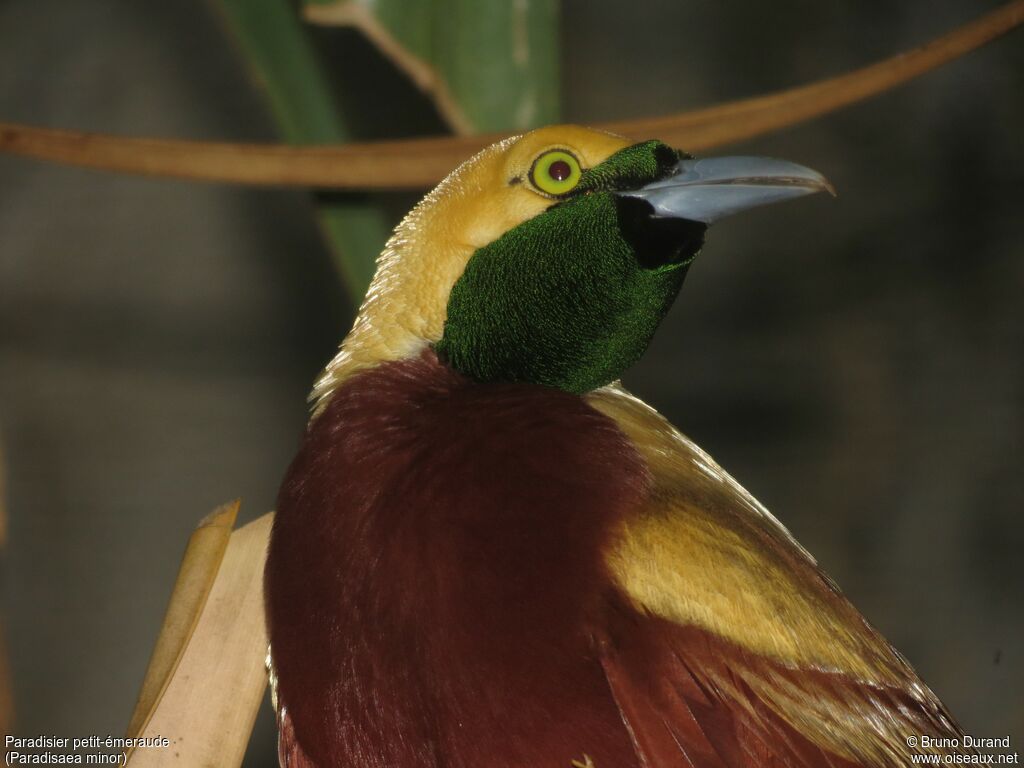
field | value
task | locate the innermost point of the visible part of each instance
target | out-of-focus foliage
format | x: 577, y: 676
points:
x: 283, y: 62
x: 488, y: 67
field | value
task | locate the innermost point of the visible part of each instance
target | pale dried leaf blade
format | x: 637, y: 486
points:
x: 208, y: 708
x: 199, y: 568
x: 420, y: 163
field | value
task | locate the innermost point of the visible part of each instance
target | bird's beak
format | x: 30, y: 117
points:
x: 712, y: 188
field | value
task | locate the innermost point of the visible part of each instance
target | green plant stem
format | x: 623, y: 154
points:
x: 283, y: 63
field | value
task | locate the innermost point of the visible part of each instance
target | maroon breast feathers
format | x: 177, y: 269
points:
x: 436, y: 566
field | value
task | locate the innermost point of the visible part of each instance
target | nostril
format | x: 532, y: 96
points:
x: 658, y: 241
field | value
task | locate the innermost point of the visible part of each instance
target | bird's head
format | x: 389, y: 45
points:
x: 551, y: 257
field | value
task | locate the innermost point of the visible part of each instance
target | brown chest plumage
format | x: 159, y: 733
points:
x: 436, y: 574
x: 438, y: 596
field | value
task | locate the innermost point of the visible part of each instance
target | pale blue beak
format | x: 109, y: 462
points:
x: 712, y: 188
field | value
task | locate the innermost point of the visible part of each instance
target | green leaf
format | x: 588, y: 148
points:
x: 283, y: 62
x: 488, y: 65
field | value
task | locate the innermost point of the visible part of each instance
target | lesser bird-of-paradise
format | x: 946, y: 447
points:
x: 489, y: 553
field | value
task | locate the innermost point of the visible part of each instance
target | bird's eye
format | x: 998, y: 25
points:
x: 555, y: 172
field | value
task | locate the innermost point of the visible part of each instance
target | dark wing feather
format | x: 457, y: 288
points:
x: 745, y: 653
x: 686, y: 701
x: 693, y: 700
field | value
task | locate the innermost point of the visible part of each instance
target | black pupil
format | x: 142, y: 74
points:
x: 559, y: 170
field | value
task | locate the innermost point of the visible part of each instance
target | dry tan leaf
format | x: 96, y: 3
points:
x: 209, y: 704
x: 199, y: 568
x: 421, y: 163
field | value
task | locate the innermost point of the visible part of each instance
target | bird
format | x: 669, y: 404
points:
x: 487, y: 553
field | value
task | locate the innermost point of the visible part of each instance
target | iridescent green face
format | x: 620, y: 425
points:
x: 572, y: 297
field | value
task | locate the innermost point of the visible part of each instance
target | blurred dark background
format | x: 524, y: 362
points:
x: 856, y: 363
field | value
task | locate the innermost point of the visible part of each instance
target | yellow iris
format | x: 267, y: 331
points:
x: 555, y: 172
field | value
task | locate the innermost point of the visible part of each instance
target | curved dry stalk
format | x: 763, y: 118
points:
x: 411, y: 164
x: 420, y: 163
x: 746, y: 118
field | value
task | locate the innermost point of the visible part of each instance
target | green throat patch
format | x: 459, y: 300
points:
x: 572, y: 297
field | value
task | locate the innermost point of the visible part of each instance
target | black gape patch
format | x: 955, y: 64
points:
x: 658, y: 241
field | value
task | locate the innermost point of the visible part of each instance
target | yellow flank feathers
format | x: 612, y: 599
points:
x: 478, y: 202
x: 706, y: 553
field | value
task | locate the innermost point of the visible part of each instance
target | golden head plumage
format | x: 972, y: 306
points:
x: 486, y: 196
